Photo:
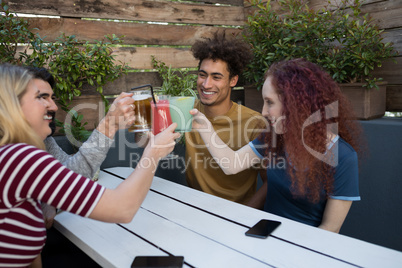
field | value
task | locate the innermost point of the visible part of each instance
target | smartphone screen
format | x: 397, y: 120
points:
x: 158, y: 261
x: 263, y: 228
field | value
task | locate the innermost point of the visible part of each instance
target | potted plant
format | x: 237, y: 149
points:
x: 340, y: 38
x: 177, y: 83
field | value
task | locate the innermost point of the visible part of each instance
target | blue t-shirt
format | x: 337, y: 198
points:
x: 280, y: 200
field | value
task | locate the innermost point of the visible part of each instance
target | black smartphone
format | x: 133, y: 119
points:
x: 263, y: 228
x: 158, y: 261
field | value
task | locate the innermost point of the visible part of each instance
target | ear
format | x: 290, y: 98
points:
x: 233, y: 80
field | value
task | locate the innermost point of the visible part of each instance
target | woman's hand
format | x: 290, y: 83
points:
x: 200, y: 121
x: 162, y: 144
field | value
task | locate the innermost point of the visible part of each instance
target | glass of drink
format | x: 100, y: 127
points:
x: 161, y: 118
x: 142, y: 102
x: 180, y: 112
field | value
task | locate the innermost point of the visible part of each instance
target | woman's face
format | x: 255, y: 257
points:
x: 36, y: 104
x: 272, y: 109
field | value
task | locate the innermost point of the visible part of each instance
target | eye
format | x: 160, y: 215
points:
x: 269, y: 102
x: 202, y: 75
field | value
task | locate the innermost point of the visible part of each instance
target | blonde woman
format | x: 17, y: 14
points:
x: 29, y: 175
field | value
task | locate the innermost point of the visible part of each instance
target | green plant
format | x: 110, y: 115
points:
x: 73, y: 63
x: 14, y: 33
x: 75, y: 131
x: 341, y: 39
x: 175, y: 83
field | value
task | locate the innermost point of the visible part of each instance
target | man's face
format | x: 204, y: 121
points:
x: 37, y: 105
x: 213, y: 82
x: 48, y: 96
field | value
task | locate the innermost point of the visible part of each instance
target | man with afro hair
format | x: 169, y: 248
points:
x: 222, y: 59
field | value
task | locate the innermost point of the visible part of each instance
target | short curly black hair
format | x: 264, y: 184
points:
x: 42, y: 74
x: 232, y: 50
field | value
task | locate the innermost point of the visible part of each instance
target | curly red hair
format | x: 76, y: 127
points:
x: 305, y: 89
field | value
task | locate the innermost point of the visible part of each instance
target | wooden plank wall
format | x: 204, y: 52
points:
x: 187, y: 22
x: 184, y: 22
x: 174, y: 28
x: 388, y: 16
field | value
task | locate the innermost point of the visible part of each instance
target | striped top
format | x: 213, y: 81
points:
x: 29, y: 176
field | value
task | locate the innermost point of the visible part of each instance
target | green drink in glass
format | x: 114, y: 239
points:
x: 180, y: 112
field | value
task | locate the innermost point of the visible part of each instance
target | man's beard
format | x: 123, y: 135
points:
x: 52, y: 124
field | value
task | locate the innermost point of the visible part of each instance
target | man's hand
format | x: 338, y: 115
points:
x: 120, y: 115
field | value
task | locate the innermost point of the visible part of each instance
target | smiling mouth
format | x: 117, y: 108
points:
x: 49, y: 116
x: 208, y: 92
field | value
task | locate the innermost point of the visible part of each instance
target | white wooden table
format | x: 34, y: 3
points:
x: 209, y: 232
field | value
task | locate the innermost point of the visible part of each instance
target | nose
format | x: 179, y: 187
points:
x: 264, y: 111
x: 207, y: 82
x: 52, y: 105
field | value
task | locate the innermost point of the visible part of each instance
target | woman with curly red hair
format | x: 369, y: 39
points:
x: 309, y: 148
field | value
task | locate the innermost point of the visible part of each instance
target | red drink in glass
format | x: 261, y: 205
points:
x: 160, y: 116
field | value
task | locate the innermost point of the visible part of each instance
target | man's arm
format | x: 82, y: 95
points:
x: 89, y: 157
x: 93, y: 152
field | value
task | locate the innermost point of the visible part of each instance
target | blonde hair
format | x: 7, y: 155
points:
x: 14, y: 128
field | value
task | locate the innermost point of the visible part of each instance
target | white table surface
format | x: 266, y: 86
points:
x: 209, y: 232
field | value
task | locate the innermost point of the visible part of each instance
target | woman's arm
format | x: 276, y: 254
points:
x: 258, y: 199
x: 231, y: 162
x: 121, y: 204
x: 334, y: 214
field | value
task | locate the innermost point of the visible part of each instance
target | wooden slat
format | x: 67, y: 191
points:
x: 394, y: 98
x: 134, y: 33
x: 126, y: 82
x: 320, y: 4
x: 386, y: 14
x: 254, y: 100
x: 394, y: 36
x: 133, y: 79
x: 390, y: 71
x: 225, y: 2
x: 140, y: 57
x: 139, y: 10
x: 104, y: 248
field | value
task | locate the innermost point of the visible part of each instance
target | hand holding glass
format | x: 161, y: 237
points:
x: 161, y: 118
x: 180, y: 111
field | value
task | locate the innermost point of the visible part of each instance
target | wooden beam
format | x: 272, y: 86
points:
x: 137, y: 10
x: 134, y: 33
